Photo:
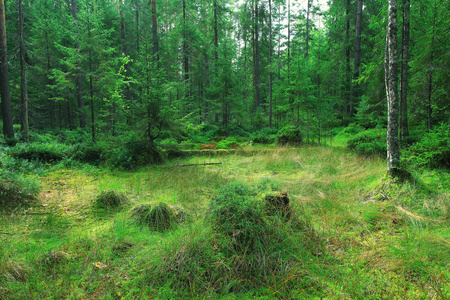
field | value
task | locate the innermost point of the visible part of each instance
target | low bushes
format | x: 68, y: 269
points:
x: 433, y: 150
x: 289, y: 135
x: 369, y: 142
x: 13, y: 195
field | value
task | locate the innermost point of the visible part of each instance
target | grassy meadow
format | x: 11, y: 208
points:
x: 350, y: 232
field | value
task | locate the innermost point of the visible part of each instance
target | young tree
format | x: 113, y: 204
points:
x: 8, y: 129
x: 23, y: 76
x: 391, y: 78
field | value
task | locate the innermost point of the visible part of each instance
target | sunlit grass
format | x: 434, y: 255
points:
x: 382, y: 240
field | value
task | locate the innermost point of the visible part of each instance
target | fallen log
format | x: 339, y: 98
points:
x: 204, y: 164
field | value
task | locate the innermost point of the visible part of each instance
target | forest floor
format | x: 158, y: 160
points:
x: 375, y: 238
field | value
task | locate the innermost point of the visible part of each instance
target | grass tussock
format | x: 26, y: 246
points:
x: 12, y: 195
x: 110, y: 200
x: 157, y: 216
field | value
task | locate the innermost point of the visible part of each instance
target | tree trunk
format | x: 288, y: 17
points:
x: 185, y: 50
x: 270, y: 64
x: 155, y: 35
x: 347, y: 84
x: 391, y: 66
x: 357, y: 60
x: 256, y: 82
x: 404, y: 130
x: 23, y: 76
x: 307, y: 29
x: 8, y: 130
x: 79, y: 75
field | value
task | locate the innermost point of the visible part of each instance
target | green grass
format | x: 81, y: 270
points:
x: 354, y: 234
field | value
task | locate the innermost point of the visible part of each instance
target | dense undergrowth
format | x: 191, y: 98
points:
x: 314, y: 222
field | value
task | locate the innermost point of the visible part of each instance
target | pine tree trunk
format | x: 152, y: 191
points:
x: 357, y: 59
x: 404, y: 130
x: 23, y: 76
x: 79, y: 75
x: 8, y: 130
x: 155, y: 35
x: 391, y: 67
x: 270, y: 64
x: 307, y: 29
x: 256, y: 82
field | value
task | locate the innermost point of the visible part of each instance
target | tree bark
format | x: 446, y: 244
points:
x: 79, y: 75
x: 357, y: 58
x: 8, y: 130
x: 307, y: 29
x: 155, y: 35
x: 256, y: 78
x: 391, y: 67
x: 270, y: 64
x: 23, y: 76
x: 404, y: 130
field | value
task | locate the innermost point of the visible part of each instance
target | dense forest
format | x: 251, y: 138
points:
x: 160, y: 68
x: 225, y: 149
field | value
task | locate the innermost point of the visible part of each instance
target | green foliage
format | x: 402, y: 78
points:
x: 228, y: 143
x: 135, y: 154
x: 264, y: 136
x: 369, y: 142
x: 433, y: 149
x: 110, y: 200
x: 88, y: 153
x: 43, y: 152
x: 289, y: 135
x: 15, y: 194
x: 159, y: 216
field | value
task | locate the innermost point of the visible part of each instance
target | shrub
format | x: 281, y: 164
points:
x: 88, y: 153
x: 264, y: 136
x: 110, y: 200
x: 13, y: 195
x: 433, y: 150
x: 135, y: 154
x: 369, y: 142
x: 45, y: 152
x: 158, y: 217
x: 289, y: 135
x: 228, y: 143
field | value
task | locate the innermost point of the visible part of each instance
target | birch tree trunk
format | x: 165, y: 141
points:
x: 8, y: 129
x: 391, y: 66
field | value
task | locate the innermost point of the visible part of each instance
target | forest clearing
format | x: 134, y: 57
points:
x: 351, y: 232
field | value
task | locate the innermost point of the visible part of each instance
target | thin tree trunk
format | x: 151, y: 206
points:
x: 8, y: 130
x: 357, y: 59
x: 79, y: 75
x: 404, y: 130
x: 23, y: 76
x: 155, y: 35
x: 185, y: 50
x: 256, y: 57
x: 430, y: 73
x: 347, y: 84
x: 391, y: 66
x: 270, y: 64
x: 307, y: 29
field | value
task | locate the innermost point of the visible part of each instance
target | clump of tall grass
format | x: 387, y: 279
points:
x: 111, y: 200
x: 13, y: 194
x: 158, y: 216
